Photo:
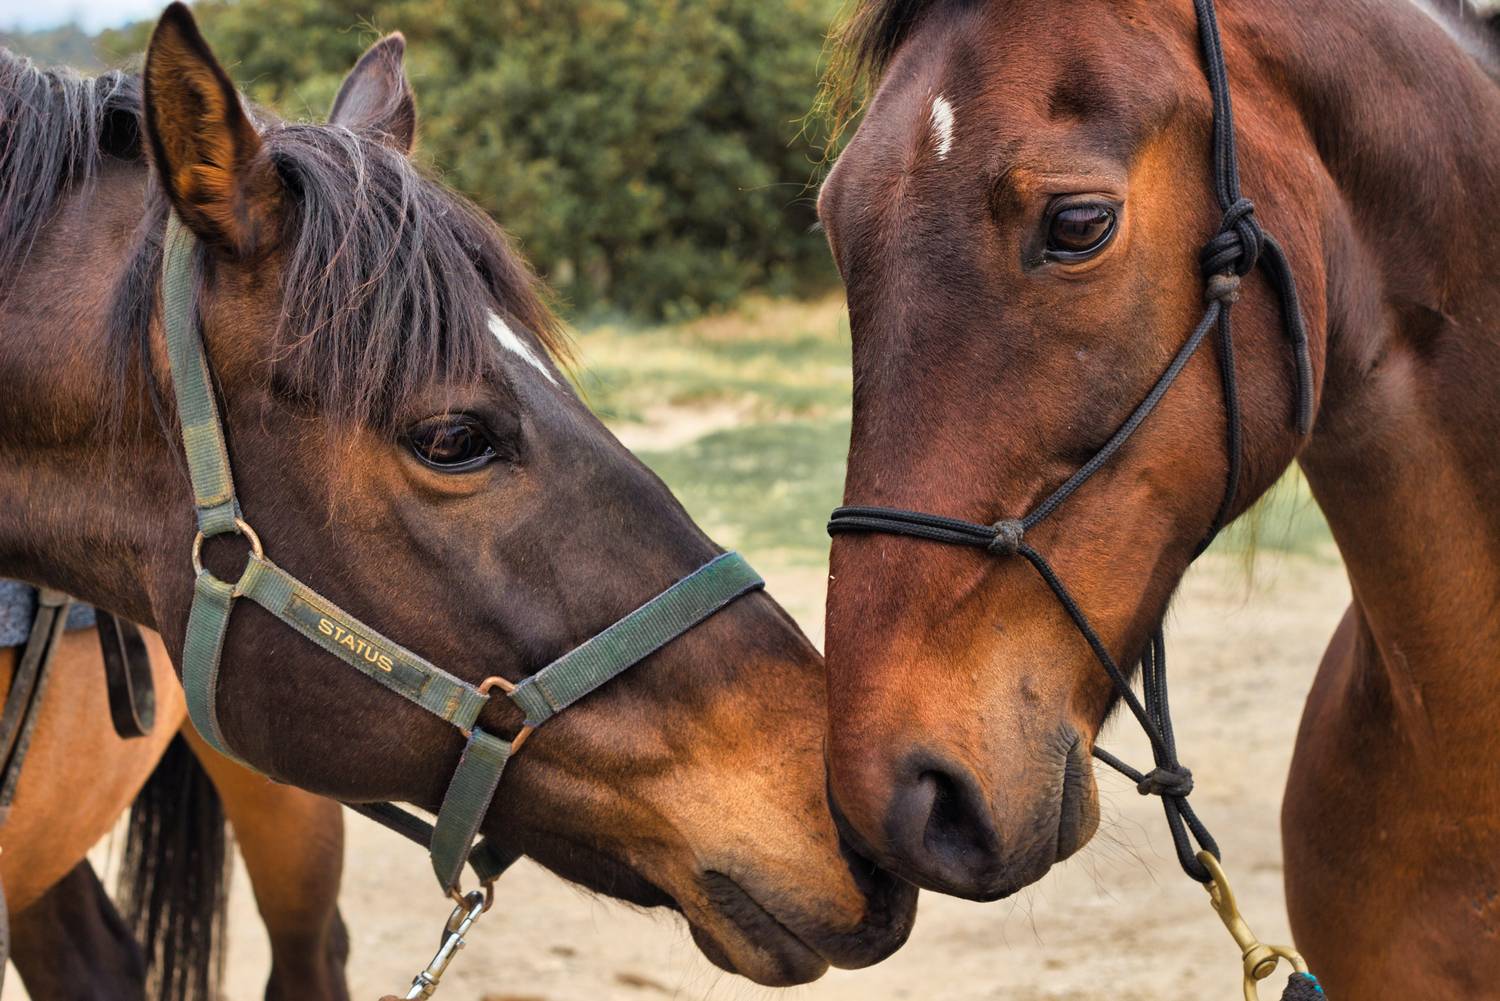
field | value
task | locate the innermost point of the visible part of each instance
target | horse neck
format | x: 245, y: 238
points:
x: 1405, y: 461
x: 84, y: 493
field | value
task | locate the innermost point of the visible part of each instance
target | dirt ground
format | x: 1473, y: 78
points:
x: 1116, y: 922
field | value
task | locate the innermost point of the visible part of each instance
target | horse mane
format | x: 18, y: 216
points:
x: 388, y: 277
x: 56, y: 128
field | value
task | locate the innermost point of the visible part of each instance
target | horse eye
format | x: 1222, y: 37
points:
x: 451, y: 444
x: 1078, y: 232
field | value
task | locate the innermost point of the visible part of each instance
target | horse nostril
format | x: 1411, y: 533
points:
x: 953, y: 824
x: 941, y: 826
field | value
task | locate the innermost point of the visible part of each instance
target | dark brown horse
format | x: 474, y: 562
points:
x: 403, y: 442
x: 1018, y: 222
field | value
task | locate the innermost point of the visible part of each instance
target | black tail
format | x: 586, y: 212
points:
x: 174, y: 879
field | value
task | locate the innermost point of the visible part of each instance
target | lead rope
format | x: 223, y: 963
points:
x: 1235, y: 249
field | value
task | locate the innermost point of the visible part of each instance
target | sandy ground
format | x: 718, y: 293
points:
x: 1118, y: 922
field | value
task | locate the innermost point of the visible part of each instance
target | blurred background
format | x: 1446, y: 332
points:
x: 654, y: 159
x: 648, y: 155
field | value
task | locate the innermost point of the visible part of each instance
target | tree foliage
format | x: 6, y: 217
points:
x: 648, y: 155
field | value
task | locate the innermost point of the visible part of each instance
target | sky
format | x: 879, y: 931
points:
x: 93, y: 15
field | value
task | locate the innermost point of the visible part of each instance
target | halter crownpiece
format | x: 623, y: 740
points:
x: 450, y: 840
x: 1236, y: 249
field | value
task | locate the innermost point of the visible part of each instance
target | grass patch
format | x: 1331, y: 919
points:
x: 776, y: 359
x: 1285, y: 519
x: 767, y: 484
x: 762, y: 488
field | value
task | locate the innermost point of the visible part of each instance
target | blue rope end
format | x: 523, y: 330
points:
x: 1303, y: 987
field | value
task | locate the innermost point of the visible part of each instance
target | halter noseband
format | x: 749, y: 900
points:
x: 627, y: 642
x: 1238, y: 246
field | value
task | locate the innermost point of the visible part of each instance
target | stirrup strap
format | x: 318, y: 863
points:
x: 28, y: 682
x: 127, y: 675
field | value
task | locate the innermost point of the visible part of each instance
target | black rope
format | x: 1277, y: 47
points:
x: 1239, y: 245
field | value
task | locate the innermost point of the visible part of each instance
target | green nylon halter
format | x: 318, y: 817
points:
x: 676, y: 610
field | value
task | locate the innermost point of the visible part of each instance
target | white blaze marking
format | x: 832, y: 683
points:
x: 510, y: 342
x: 942, y: 125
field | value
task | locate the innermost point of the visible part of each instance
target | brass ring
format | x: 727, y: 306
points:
x: 462, y: 899
x: 244, y: 529
x: 526, y: 731
x: 488, y: 685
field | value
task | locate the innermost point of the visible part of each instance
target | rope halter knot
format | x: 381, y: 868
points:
x: 1237, y: 246
x: 1223, y: 288
x: 1166, y: 781
x: 1007, y: 540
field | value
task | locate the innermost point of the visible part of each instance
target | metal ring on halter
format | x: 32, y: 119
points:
x: 462, y: 899
x: 507, y: 686
x: 244, y: 529
x: 1260, y: 960
x: 495, y: 681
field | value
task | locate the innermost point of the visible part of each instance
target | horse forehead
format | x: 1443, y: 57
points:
x: 517, y: 347
x: 944, y: 117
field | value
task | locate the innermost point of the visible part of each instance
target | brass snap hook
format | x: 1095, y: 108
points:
x: 1260, y: 960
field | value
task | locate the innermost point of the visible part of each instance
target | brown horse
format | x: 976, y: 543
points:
x: 79, y: 776
x: 1018, y: 222
x: 403, y: 441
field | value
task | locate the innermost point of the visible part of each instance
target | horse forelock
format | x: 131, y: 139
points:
x: 389, y: 279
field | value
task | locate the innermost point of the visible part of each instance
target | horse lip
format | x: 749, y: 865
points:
x: 1074, y: 822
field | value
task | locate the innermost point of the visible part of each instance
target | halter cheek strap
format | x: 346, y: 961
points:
x: 470, y: 792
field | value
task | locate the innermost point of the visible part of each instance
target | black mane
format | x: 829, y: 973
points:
x: 388, y: 277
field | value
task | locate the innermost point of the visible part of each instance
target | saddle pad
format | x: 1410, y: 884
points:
x: 18, y: 609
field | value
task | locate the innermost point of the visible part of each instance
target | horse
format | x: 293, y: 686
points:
x: 68, y: 940
x: 403, y: 438
x: 1018, y: 221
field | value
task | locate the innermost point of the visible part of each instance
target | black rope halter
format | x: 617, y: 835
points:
x: 1238, y: 246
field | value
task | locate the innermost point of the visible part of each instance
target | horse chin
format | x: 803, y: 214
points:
x: 739, y: 935
x: 732, y: 929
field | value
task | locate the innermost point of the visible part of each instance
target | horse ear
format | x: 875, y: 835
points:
x: 376, y: 97
x: 205, y: 148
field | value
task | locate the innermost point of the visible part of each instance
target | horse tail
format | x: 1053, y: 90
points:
x: 174, y: 878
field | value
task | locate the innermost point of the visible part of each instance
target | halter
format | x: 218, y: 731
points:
x: 1238, y: 246
x: 476, y: 778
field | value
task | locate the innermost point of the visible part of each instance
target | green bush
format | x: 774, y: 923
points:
x: 648, y: 155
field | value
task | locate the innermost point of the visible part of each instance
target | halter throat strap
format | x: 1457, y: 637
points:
x: 457, y: 702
